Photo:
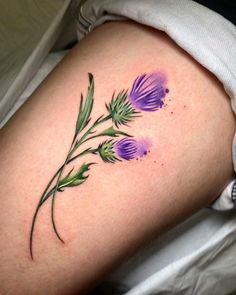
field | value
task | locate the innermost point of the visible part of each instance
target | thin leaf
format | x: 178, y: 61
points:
x: 112, y: 132
x: 75, y: 179
x: 85, y: 107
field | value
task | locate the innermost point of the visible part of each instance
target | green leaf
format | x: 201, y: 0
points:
x: 112, y: 132
x: 75, y: 179
x: 85, y: 108
x: 67, y: 177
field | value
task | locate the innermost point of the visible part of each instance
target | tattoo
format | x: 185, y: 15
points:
x: 147, y: 94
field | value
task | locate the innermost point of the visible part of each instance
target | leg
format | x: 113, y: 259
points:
x: 121, y: 205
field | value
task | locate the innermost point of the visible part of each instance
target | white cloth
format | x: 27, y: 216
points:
x: 28, y: 30
x: 207, y: 36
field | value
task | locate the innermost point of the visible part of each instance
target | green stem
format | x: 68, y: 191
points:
x: 58, y: 174
x: 89, y: 131
x: 91, y: 137
x: 41, y: 201
x: 91, y: 151
x: 56, y: 188
x: 51, y: 192
x: 69, y: 155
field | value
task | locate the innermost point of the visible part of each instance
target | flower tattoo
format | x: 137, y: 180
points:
x: 147, y: 94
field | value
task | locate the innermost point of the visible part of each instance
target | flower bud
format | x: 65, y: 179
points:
x: 106, y: 151
x: 121, y: 110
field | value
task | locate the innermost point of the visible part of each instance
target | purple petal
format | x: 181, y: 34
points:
x: 148, y: 92
x: 126, y: 148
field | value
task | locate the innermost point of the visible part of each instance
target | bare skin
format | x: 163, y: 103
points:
x: 121, y: 206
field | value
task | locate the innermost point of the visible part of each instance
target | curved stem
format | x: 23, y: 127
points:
x: 32, y: 230
x: 70, y: 153
x: 91, y: 151
x: 41, y: 201
x: 57, y: 175
x: 91, y: 137
x: 56, y: 188
x: 83, y: 138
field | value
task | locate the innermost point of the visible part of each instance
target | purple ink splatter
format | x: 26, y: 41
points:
x: 143, y: 146
x: 148, y: 92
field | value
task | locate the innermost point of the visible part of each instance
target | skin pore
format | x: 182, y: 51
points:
x: 121, y: 205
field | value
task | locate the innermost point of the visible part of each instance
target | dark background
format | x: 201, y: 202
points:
x: 227, y: 8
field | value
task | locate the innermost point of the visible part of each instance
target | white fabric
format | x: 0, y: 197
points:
x: 204, y: 34
x: 208, y: 270
x: 225, y: 203
x: 48, y: 64
x: 28, y: 31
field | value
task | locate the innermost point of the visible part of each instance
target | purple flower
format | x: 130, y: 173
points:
x: 129, y: 148
x: 148, y: 92
x: 126, y: 148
